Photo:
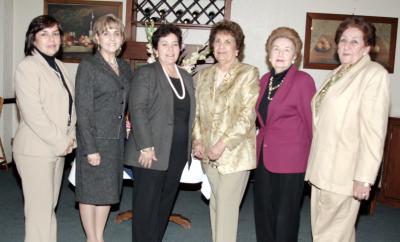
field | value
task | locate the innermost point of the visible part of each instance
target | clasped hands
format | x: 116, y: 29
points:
x: 214, y: 153
x: 361, y: 190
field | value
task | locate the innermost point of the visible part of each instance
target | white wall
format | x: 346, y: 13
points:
x: 8, y: 116
x: 257, y: 18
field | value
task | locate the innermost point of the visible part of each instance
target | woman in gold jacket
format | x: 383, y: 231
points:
x: 224, y: 131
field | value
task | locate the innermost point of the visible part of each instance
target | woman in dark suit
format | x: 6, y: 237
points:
x: 284, y: 139
x: 161, y: 108
x: 46, y: 131
x: 101, y: 88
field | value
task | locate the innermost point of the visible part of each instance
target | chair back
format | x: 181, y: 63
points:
x: 1, y: 104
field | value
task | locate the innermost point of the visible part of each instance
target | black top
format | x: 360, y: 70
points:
x: 276, y: 79
x: 181, y: 123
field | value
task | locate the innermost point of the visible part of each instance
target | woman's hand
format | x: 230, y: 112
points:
x: 216, y: 150
x: 199, y: 150
x: 147, y: 156
x: 70, y: 147
x: 361, y: 190
x: 94, y: 159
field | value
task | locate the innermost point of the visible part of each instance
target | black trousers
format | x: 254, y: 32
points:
x: 154, y: 194
x: 277, y: 201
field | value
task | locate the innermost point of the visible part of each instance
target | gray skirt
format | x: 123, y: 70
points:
x: 100, y: 185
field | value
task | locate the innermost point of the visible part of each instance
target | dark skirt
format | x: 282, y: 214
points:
x: 100, y: 185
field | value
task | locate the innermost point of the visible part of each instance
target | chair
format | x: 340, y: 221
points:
x: 3, y: 158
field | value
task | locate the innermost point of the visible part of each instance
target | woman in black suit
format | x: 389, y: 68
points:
x: 101, y: 90
x: 161, y: 108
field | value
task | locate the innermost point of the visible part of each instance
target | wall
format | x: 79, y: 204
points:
x: 257, y: 18
x: 8, y: 117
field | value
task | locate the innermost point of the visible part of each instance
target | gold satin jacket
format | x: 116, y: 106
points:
x: 228, y: 112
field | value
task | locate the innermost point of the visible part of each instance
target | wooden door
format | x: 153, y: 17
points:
x: 390, y: 187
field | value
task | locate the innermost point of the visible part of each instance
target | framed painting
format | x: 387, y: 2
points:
x: 77, y: 18
x: 320, y: 47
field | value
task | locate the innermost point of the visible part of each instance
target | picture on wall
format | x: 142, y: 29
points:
x: 320, y: 48
x: 77, y: 18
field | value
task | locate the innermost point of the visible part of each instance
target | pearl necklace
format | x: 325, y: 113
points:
x: 272, y: 88
x: 172, y: 85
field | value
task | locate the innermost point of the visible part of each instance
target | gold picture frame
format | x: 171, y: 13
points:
x: 320, y: 48
x: 77, y: 17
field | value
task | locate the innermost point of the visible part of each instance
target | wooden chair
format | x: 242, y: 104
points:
x: 3, y: 158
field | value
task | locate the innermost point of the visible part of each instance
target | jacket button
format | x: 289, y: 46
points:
x: 120, y: 116
x: 122, y: 102
x: 122, y: 88
x: 265, y: 145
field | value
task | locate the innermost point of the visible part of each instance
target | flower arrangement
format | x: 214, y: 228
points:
x: 187, y: 63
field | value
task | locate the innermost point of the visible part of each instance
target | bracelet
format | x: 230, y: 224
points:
x: 144, y: 151
x: 366, y: 184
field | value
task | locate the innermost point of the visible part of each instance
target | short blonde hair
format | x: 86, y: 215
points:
x: 290, y: 34
x: 108, y: 21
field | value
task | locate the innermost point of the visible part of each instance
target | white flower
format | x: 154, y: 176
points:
x: 188, y: 63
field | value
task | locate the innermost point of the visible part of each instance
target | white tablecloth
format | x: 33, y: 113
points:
x: 191, y: 176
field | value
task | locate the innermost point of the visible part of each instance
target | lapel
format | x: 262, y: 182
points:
x: 49, y: 70
x: 341, y: 84
x: 107, y: 68
x: 282, y: 93
x: 188, y: 84
x: 263, y: 87
x: 166, y: 91
x: 228, y: 79
x: 68, y: 81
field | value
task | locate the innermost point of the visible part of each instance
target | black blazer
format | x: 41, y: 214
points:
x: 101, y: 98
x: 151, y: 110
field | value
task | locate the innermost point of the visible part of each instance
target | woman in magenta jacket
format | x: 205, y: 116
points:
x: 284, y: 138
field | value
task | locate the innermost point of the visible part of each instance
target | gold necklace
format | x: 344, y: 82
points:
x: 113, y: 65
x: 272, y: 88
x: 332, y: 80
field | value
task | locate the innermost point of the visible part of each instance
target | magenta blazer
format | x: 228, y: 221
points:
x: 286, y: 135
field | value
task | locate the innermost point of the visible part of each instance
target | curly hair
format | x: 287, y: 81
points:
x: 290, y: 34
x: 231, y: 28
x: 164, y: 30
x: 368, y: 30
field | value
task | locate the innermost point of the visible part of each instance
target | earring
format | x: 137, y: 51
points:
x: 98, y: 47
x: 293, y: 61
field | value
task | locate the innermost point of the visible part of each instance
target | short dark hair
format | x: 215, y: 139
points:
x: 164, y: 30
x: 368, y: 29
x: 232, y: 28
x: 38, y: 24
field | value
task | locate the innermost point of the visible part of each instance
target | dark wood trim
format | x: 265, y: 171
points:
x: 388, y: 165
x: 135, y: 50
x: 227, y: 11
x: 10, y: 100
x: 128, y: 28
